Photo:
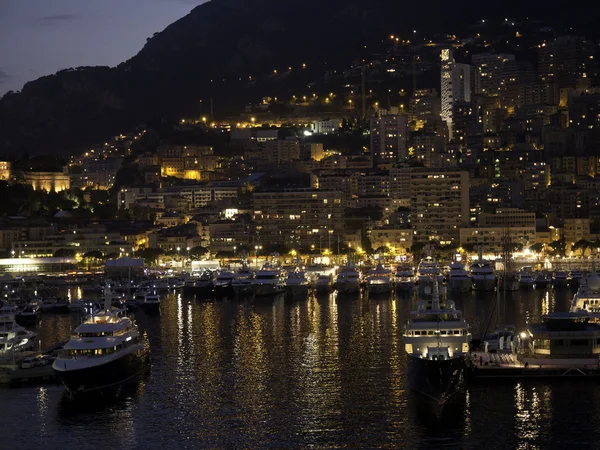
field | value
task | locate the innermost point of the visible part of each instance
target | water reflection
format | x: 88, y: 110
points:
x: 321, y: 372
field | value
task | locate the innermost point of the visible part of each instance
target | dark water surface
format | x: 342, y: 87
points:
x: 315, y: 373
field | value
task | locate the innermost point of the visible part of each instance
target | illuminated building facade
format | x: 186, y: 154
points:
x: 389, y: 138
x: 439, y: 205
x: 455, y: 85
x: 298, y: 217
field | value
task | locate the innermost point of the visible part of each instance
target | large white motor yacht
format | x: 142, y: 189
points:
x: 242, y: 282
x: 379, y: 280
x: 428, y: 271
x: 436, y: 340
x: 106, y: 351
x: 297, y: 283
x: 13, y: 337
x: 482, y: 275
x: 458, y: 278
x: 269, y: 280
x: 348, y: 279
x: 404, y: 278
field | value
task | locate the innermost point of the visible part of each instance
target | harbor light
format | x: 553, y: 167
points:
x: 523, y: 335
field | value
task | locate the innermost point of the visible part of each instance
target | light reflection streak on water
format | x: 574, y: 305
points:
x: 179, y: 331
x: 467, y: 427
x: 527, y: 417
x: 398, y: 398
x: 42, y: 406
x: 251, y: 374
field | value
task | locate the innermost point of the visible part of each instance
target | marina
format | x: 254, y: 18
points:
x: 313, y: 346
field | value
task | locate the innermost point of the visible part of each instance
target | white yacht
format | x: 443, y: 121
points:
x: 242, y: 282
x: 348, y: 280
x: 379, y: 280
x: 106, y: 351
x: 428, y: 271
x: 587, y: 297
x: 526, y: 278
x: 458, y: 278
x: 482, y: 275
x: 437, y: 343
x: 324, y: 283
x: 297, y: 283
x: 13, y: 337
x: 404, y: 278
x: 269, y: 280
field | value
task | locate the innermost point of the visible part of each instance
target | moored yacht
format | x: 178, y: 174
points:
x: 223, y: 284
x: 151, y: 303
x: 348, y: 279
x: 541, y: 279
x: 587, y: 297
x: 106, y: 351
x: 428, y: 271
x: 559, y: 279
x: 575, y: 277
x: 404, y: 278
x: 297, y: 283
x: 526, y: 279
x: 437, y: 343
x: 13, y: 337
x: 458, y: 278
x: 482, y: 275
x: 324, y: 283
x: 242, y: 282
x: 379, y: 280
x: 205, y: 284
x: 269, y: 280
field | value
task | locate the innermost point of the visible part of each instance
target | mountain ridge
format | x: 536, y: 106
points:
x: 220, y: 39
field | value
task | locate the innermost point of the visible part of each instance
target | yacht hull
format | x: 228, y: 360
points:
x: 297, y: 290
x: 265, y: 290
x: 223, y: 291
x: 509, y: 285
x: 404, y: 286
x: 526, y: 284
x: 379, y: 288
x: 461, y: 285
x: 151, y: 308
x: 323, y: 289
x: 559, y: 283
x: 243, y: 290
x: 99, y: 378
x: 347, y: 287
x: 437, y: 380
x: 484, y: 284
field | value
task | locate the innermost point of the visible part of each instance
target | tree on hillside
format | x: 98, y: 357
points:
x: 558, y: 248
x: 64, y: 253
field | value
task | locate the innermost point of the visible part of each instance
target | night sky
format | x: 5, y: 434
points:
x: 39, y: 37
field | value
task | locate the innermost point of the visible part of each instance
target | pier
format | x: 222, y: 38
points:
x: 505, y: 365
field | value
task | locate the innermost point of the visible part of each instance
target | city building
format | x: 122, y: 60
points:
x: 455, y: 86
x: 389, y: 139
x: 298, y: 217
x: 439, y: 205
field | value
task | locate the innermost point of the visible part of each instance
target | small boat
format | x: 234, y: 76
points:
x: 222, y: 284
x: 526, y: 279
x: 28, y: 314
x: 205, y: 284
x: 13, y: 337
x: 76, y: 305
x: 379, y: 280
x: 542, y: 279
x: 575, y: 278
x: 559, y: 279
x: 162, y: 285
x: 151, y: 303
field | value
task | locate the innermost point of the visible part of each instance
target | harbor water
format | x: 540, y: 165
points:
x: 312, y: 373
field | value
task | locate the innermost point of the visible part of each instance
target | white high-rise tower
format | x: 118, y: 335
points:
x: 455, y: 85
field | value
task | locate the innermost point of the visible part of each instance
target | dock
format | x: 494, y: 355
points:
x: 505, y: 365
x: 34, y: 375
